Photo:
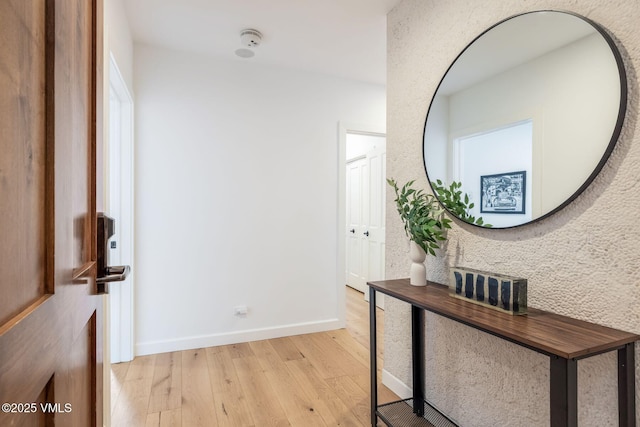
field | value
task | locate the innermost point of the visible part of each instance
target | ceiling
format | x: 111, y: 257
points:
x: 512, y: 43
x: 345, y: 38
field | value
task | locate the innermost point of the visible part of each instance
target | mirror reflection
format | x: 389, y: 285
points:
x: 526, y: 116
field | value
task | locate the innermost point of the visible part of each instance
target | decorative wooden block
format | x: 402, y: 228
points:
x: 497, y: 291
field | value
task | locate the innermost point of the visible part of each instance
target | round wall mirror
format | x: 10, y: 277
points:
x: 524, y: 119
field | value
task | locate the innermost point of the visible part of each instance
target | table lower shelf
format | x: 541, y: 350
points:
x: 400, y: 414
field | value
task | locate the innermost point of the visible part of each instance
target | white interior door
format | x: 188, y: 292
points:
x: 375, y: 212
x: 375, y: 216
x: 357, y: 178
x: 354, y: 141
x: 365, y: 196
x: 119, y: 191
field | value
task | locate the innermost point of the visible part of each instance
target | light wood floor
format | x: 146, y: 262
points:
x: 319, y: 379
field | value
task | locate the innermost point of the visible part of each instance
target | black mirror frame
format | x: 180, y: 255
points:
x: 612, y: 142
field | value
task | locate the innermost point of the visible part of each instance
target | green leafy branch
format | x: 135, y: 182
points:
x: 458, y: 204
x: 423, y: 217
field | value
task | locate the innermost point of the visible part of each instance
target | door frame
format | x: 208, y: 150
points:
x: 341, y: 278
x: 122, y: 294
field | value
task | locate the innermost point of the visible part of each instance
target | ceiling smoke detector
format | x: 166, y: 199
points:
x: 250, y: 37
x: 245, y: 53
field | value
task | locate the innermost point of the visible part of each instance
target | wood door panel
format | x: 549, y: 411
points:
x: 73, y: 380
x: 22, y: 159
x: 73, y: 129
x: 36, y: 417
x: 50, y: 315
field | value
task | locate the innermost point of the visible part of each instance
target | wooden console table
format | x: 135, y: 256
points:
x: 563, y: 339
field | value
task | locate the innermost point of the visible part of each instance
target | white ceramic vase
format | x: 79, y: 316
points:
x: 418, y: 272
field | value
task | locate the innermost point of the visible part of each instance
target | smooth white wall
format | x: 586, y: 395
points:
x: 236, y: 197
x: 119, y: 45
x: 118, y: 34
x: 117, y: 42
x: 436, y: 137
x: 581, y: 262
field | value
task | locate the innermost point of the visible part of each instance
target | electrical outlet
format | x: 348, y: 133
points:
x: 240, y: 310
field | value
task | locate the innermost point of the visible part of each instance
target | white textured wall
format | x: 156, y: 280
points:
x: 583, y: 262
x: 236, y: 198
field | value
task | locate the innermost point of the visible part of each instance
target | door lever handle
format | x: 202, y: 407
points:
x: 352, y: 231
x: 366, y: 233
x: 114, y: 274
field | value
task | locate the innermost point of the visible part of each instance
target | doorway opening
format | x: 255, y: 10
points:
x: 491, y: 154
x: 119, y: 205
x: 361, y: 228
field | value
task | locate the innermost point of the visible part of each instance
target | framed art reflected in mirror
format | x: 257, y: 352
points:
x: 503, y: 193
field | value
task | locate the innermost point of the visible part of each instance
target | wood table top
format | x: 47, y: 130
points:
x: 542, y: 331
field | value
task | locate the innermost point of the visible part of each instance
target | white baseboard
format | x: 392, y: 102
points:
x: 396, y: 386
x: 189, y: 343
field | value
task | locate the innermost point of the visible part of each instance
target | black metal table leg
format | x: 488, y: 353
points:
x: 626, y: 386
x: 417, y: 355
x: 373, y: 356
x: 563, y: 392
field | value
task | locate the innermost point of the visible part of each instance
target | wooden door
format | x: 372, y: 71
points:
x: 50, y: 114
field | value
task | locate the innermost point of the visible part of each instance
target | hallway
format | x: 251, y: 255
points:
x: 319, y: 379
